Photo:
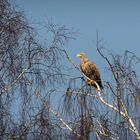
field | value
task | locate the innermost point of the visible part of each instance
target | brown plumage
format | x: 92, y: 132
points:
x: 90, y: 70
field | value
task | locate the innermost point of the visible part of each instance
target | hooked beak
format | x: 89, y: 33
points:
x: 78, y: 55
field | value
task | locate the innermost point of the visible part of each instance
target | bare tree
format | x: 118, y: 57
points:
x: 28, y: 69
x: 34, y: 75
x: 112, y: 113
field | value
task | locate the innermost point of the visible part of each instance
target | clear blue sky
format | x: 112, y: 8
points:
x: 118, y: 22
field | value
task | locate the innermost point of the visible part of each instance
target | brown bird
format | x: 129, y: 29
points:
x: 90, y: 70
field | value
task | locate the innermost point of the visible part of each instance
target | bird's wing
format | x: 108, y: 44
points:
x: 88, y: 68
x: 92, y: 67
x: 92, y: 72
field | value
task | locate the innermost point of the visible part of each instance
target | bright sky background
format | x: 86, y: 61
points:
x: 118, y: 23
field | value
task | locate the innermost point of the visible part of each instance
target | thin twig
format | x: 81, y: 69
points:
x: 58, y: 116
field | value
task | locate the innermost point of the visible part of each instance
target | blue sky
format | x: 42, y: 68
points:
x: 118, y: 23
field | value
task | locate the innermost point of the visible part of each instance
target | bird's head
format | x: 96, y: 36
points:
x: 81, y: 55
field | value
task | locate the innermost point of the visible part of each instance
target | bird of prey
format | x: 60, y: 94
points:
x: 90, y: 70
